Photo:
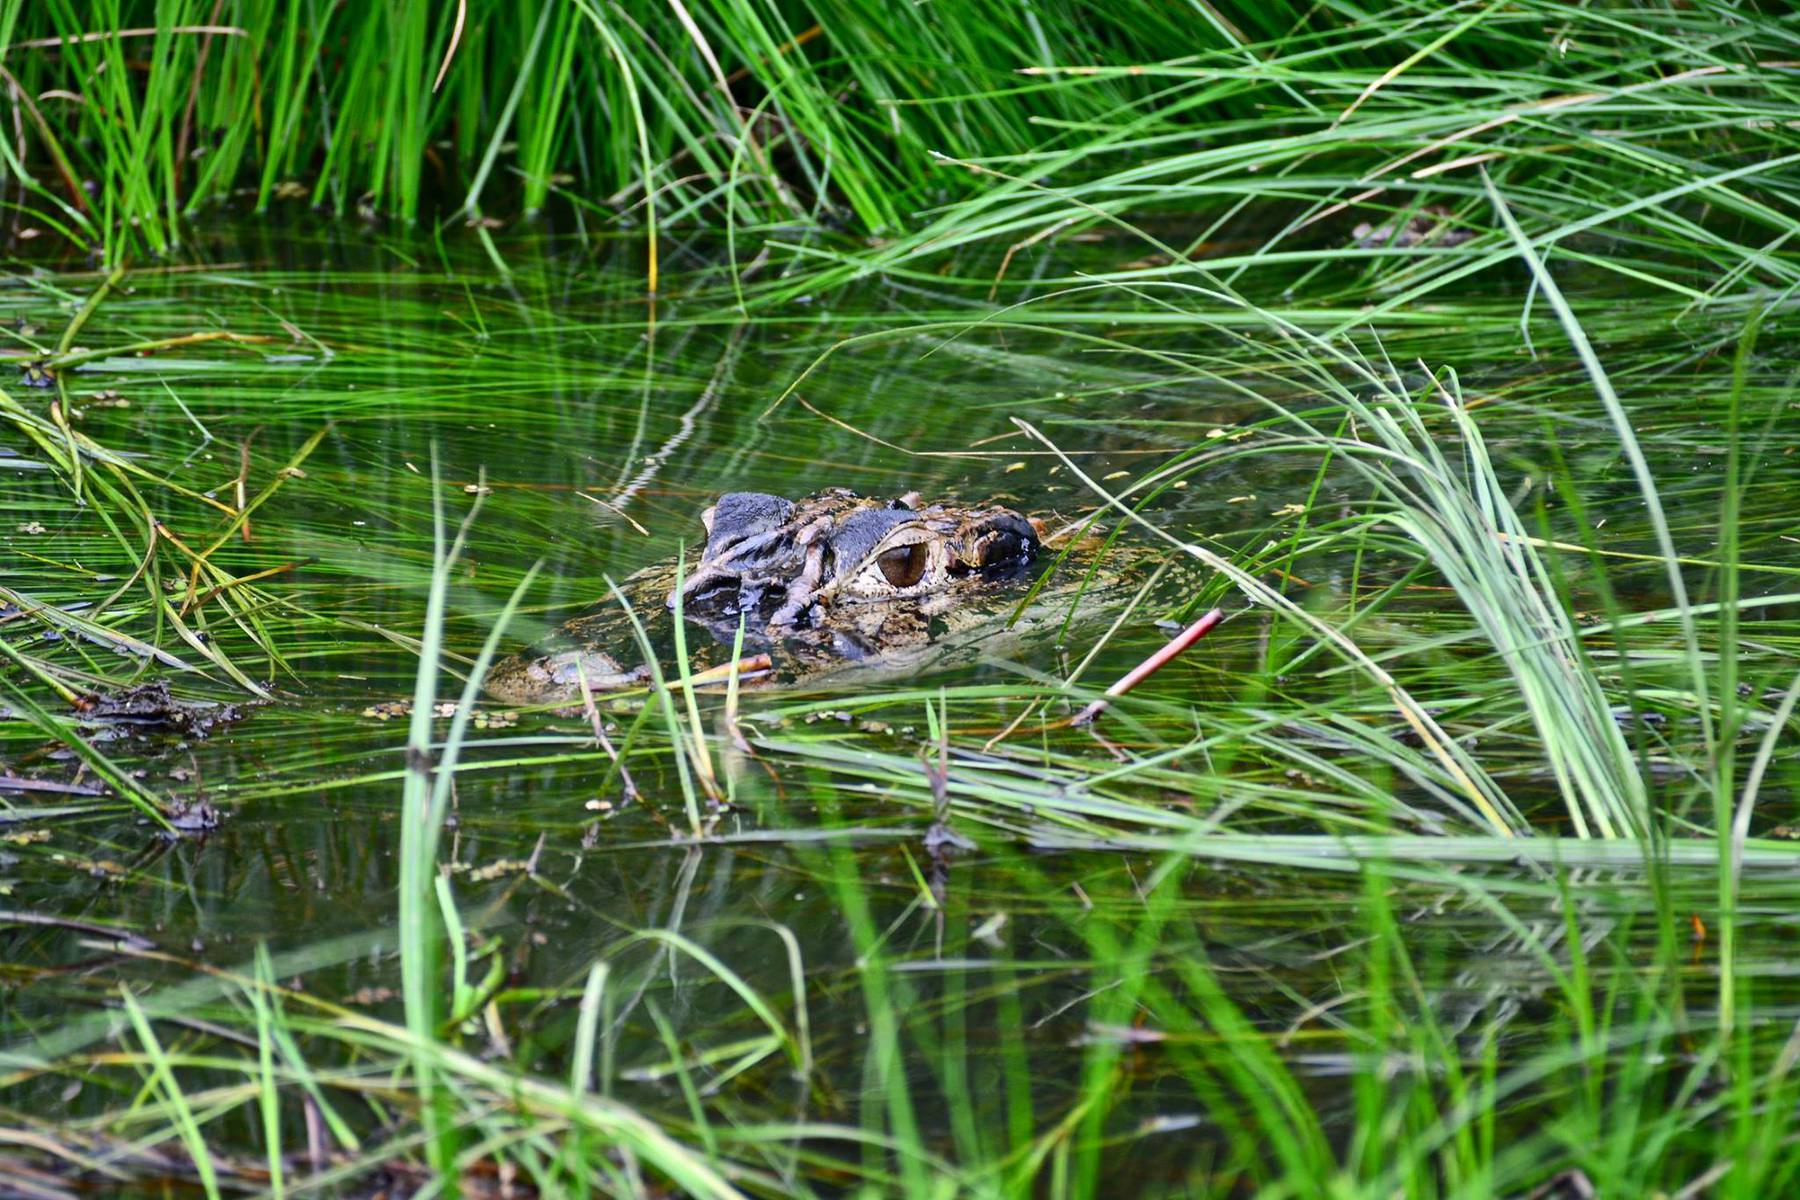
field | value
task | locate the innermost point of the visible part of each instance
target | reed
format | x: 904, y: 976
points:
x: 790, y: 121
x: 1454, y: 863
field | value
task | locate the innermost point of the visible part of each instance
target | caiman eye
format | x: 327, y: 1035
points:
x: 904, y: 566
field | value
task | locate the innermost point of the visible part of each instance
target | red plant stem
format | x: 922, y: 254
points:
x: 1151, y: 665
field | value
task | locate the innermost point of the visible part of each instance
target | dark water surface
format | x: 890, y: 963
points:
x: 600, y: 430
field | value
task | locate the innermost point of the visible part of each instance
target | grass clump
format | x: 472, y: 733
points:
x: 1659, y: 125
x: 1457, y: 864
x: 1274, y: 946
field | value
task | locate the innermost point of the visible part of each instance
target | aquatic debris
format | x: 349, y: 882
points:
x: 16, y: 783
x: 192, y: 816
x: 152, y: 706
x: 494, y: 870
x: 367, y: 996
x: 1432, y: 225
x: 389, y: 710
x: 36, y: 374
x: 483, y: 718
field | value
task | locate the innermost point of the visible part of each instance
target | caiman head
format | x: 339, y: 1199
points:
x: 797, y: 561
x: 825, y: 580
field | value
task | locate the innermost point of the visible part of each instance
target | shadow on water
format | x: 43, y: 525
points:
x: 1035, y: 987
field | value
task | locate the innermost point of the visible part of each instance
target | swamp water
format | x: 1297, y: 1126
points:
x: 1063, y: 956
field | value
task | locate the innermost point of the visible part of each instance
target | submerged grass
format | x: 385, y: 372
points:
x: 1458, y: 865
x: 1243, y: 957
x: 1211, y: 1058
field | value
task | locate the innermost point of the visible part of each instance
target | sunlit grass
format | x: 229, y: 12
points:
x: 1661, y: 126
x: 1458, y: 861
x: 1033, y: 1024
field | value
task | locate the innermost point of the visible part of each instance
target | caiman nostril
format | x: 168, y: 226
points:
x: 1007, y: 540
x: 1001, y: 547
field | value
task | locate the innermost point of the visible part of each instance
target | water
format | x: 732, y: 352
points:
x: 594, y: 426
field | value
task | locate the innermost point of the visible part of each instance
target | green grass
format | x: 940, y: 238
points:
x: 1660, y: 125
x: 1457, y: 861
x: 1277, y: 948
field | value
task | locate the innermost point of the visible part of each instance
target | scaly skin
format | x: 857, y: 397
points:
x: 832, y: 587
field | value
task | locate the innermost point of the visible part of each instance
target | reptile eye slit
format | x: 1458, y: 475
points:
x: 903, y: 566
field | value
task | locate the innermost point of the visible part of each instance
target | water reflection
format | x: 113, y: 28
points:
x: 594, y: 435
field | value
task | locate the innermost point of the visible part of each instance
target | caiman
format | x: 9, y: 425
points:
x: 830, y: 586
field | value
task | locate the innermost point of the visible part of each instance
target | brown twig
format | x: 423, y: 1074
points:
x: 800, y: 39
x: 195, y: 560
x: 146, y: 31
x: 243, y: 478
x: 193, y: 98
x: 456, y: 32
x: 12, y: 783
x: 16, y: 916
x: 911, y: 453
x: 748, y: 667
x: 64, y: 361
x: 615, y: 510
x: 77, y: 197
x: 593, y: 715
x: 240, y: 581
x: 1151, y: 665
